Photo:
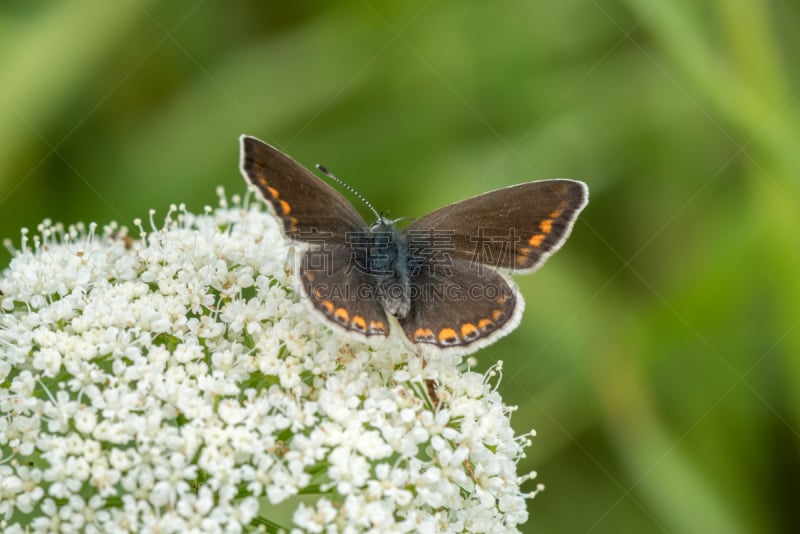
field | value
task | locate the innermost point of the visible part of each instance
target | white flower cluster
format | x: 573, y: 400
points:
x: 177, y: 383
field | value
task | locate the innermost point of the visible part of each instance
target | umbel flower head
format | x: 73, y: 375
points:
x: 177, y: 383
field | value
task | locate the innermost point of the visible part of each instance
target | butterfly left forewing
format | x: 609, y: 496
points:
x: 515, y: 228
x: 310, y: 209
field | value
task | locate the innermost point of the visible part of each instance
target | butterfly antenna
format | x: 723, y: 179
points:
x: 358, y: 195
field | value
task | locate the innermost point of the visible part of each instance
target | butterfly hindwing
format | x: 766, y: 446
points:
x: 515, y: 228
x: 459, y: 303
x: 342, y: 293
x: 309, y: 208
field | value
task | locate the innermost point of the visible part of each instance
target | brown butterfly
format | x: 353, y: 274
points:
x: 437, y: 277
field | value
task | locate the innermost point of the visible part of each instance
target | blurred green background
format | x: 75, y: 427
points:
x: 658, y: 355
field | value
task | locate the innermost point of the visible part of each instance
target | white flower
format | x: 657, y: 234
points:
x: 177, y: 382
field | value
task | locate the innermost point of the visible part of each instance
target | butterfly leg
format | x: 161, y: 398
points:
x: 430, y: 384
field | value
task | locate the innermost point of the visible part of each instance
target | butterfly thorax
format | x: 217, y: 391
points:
x: 380, y: 254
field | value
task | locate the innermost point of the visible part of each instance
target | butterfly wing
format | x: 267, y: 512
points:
x: 309, y: 208
x: 460, y: 304
x: 341, y: 292
x: 514, y: 228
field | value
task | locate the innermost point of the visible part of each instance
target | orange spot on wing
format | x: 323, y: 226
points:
x: 342, y: 315
x: 522, y: 256
x: 272, y: 191
x: 377, y: 326
x: 468, y: 330
x: 328, y: 305
x: 286, y: 209
x: 546, y: 225
x: 360, y: 323
x: 447, y: 335
x: 309, y: 276
x: 485, y: 324
x: 497, y: 314
x: 536, y: 240
x: 555, y: 214
x: 423, y: 334
x: 262, y: 181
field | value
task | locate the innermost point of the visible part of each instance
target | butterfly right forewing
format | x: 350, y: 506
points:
x: 515, y: 228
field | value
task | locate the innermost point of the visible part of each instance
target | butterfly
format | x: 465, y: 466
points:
x: 438, y: 277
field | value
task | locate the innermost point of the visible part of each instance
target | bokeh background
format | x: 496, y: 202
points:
x: 659, y: 356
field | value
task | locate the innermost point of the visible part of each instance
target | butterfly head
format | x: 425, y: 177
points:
x: 385, y: 224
